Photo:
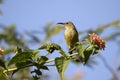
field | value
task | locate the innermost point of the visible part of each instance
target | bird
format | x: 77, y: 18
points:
x: 70, y: 34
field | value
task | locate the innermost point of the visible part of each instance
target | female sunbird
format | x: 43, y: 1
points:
x: 71, y: 34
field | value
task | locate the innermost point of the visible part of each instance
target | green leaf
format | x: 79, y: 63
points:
x: 96, y: 51
x: 61, y: 65
x: 22, y: 57
x: 2, y: 64
x: 87, y: 53
x: 21, y: 65
x: 38, y: 72
x: 17, y: 50
x: 50, y: 47
x: 42, y: 60
x: 2, y: 75
x: 36, y: 77
x: 40, y: 63
x: 43, y: 67
x: 80, y: 50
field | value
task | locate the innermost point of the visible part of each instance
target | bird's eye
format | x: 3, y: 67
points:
x: 67, y: 23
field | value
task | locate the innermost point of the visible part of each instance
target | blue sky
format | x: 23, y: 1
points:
x: 86, y: 14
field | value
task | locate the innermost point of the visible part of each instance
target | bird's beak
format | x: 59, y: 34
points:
x: 61, y: 23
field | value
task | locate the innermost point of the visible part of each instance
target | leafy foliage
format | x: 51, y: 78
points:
x: 21, y: 57
x: 27, y: 58
x: 2, y: 75
x: 2, y: 64
x: 50, y: 47
x: 61, y: 65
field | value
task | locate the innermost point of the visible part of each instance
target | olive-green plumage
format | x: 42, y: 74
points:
x: 71, y: 34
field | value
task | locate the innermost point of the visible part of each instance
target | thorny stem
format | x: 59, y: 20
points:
x: 108, y: 67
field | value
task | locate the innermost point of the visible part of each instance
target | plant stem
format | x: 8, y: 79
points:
x: 50, y: 60
x: 12, y: 69
x: 73, y: 54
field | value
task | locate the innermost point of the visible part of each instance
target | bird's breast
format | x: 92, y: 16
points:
x: 71, y: 37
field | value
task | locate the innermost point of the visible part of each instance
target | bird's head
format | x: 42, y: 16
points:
x: 67, y: 24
